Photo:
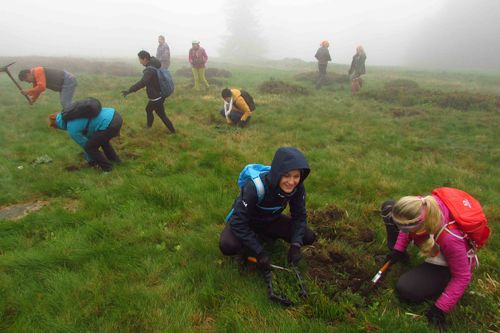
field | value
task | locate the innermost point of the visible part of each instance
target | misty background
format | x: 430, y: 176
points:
x: 448, y: 34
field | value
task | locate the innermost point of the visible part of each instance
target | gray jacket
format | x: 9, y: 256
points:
x: 163, y: 54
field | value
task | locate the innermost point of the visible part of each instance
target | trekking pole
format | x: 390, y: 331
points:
x: 381, y: 271
x: 254, y: 260
x: 6, y: 70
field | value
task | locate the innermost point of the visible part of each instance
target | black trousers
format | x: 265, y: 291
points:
x: 159, y: 108
x: 426, y: 281
x: 102, y: 139
x: 229, y: 244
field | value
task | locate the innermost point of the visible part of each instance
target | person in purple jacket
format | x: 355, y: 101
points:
x: 447, y: 270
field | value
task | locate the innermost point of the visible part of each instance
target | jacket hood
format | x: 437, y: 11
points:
x: 154, y: 62
x: 287, y: 159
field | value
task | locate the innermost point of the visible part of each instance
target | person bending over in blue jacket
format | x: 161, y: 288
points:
x: 252, y: 218
x: 92, y: 134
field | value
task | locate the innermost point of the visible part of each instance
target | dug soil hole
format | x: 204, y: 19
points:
x: 333, y: 265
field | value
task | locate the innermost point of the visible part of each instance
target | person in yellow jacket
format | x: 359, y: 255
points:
x: 238, y: 106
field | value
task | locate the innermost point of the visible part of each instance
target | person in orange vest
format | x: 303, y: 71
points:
x: 54, y: 79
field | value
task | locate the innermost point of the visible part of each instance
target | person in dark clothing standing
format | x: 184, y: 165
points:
x: 151, y: 82
x: 251, y: 218
x: 55, y: 79
x: 357, y: 69
x: 323, y: 57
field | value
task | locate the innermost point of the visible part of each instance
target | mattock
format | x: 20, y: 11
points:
x: 6, y: 70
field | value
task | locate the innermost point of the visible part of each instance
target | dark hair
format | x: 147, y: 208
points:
x: 23, y: 73
x: 226, y: 92
x: 144, y: 55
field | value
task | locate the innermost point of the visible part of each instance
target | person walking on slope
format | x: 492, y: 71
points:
x: 198, y: 59
x: 447, y: 271
x: 255, y: 214
x: 93, y: 133
x: 357, y: 69
x: 237, y: 110
x: 151, y: 81
x: 54, y: 79
x: 163, y: 52
x: 323, y: 57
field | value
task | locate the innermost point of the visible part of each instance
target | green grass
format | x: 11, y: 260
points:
x: 136, y: 250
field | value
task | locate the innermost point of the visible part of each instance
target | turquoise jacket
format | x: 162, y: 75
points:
x: 76, y: 127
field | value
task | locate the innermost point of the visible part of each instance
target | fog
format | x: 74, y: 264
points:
x: 430, y: 33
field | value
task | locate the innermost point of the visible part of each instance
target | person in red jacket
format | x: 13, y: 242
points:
x: 55, y: 79
x: 198, y: 59
x: 447, y: 270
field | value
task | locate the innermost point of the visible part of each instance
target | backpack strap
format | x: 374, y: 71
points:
x: 471, y: 253
x: 445, y: 227
x: 228, y: 107
x: 259, y: 186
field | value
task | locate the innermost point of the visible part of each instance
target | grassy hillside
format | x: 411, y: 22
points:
x: 136, y: 250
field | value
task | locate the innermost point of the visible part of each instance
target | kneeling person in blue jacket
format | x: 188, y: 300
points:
x: 251, y: 218
x: 93, y: 134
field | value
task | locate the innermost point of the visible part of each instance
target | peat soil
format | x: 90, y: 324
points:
x: 341, y: 259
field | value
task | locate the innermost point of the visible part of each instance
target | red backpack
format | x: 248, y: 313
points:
x: 467, y: 212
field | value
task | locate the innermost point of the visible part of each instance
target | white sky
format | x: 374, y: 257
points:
x: 293, y: 28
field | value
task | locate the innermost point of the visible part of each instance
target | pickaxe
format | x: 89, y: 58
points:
x: 6, y: 70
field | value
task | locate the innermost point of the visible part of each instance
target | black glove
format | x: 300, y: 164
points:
x: 125, y: 93
x: 263, y: 261
x: 395, y: 256
x: 294, y: 254
x: 436, y: 316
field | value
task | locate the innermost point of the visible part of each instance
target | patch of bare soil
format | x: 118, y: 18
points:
x: 18, y: 211
x: 334, y: 267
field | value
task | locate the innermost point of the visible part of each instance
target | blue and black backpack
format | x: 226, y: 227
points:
x: 165, y: 80
x: 252, y: 171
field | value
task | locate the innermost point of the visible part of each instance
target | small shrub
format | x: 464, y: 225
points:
x: 281, y: 87
x: 408, y: 93
x: 330, y: 78
x: 464, y: 101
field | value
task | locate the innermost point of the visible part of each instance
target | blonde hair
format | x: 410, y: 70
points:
x: 360, y: 49
x: 412, y: 209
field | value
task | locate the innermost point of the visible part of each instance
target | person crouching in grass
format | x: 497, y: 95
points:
x: 236, y: 110
x: 252, y: 218
x: 447, y: 270
x: 93, y: 134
